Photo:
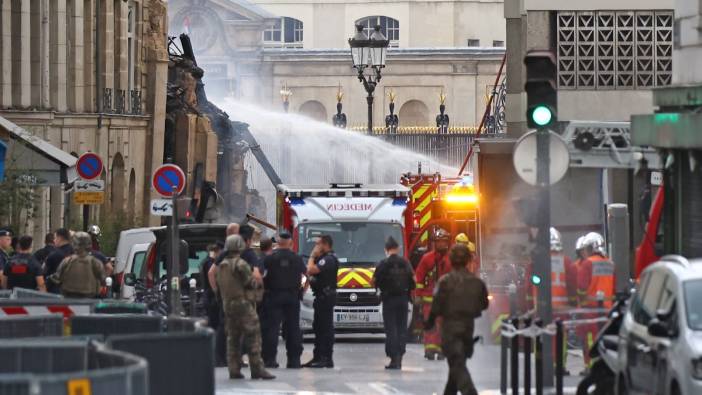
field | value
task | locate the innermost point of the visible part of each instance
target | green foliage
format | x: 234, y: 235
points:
x: 18, y: 200
x: 111, y: 224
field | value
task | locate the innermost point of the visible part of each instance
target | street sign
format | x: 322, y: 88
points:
x: 166, y: 178
x: 161, y: 207
x: 88, y: 198
x: 89, y: 186
x: 525, y: 158
x: 89, y: 166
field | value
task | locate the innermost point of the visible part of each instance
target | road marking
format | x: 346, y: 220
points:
x: 384, y: 389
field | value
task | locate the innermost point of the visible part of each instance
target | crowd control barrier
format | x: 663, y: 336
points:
x: 69, y: 367
x: 21, y: 326
x: 25, y: 293
x: 179, y: 351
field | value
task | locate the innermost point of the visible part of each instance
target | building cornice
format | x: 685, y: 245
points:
x: 396, y: 54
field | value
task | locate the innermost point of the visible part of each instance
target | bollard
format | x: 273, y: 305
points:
x: 539, y: 361
x: 504, y: 344
x: 560, y: 369
x: 527, y: 360
x: 193, y: 288
x: 108, y: 286
x: 514, y: 361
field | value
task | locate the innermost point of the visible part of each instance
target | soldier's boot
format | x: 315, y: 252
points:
x: 261, y: 373
x: 395, y: 363
x: 235, y: 372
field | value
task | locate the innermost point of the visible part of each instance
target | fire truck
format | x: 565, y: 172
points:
x: 359, y: 218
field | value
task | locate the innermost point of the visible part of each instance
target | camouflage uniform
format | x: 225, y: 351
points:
x: 460, y: 298
x: 80, y: 275
x: 237, y: 287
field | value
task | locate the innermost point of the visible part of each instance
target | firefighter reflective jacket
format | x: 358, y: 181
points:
x: 430, y: 269
x: 595, y: 281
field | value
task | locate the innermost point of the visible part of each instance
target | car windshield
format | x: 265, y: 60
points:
x: 355, y: 243
x: 693, y: 294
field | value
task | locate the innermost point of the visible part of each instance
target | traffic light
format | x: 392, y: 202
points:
x: 541, y: 88
x: 536, y: 279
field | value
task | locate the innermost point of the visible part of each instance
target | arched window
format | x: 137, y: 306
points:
x: 286, y: 32
x: 388, y: 26
x: 315, y: 110
x: 414, y: 113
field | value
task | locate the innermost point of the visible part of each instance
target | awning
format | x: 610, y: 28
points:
x: 43, y: 162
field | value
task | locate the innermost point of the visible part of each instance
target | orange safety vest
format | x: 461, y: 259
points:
x: 601, y: 282
x: 559, y: 289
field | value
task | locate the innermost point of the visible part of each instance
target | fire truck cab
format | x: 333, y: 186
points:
x: 359, y: 218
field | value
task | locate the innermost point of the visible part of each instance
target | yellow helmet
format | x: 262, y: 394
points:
x: 462, y: 238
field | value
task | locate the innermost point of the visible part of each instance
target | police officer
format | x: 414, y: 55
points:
x: 395, y: 279
x: 62, y: 238
x: 459, y: 299
x: 322, y: 269
x: 81, y: 274
x: 5, y: 243
x: 22, y: 270
x: 284, y: 271
x: 235, y: 282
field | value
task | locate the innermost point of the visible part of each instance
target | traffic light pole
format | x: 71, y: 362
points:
x: 542, y: 252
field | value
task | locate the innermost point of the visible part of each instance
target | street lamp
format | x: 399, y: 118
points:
x: 369, y: 53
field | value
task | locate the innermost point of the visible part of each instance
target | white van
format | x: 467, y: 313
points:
x: 135, y: 261
x: 127, y: 239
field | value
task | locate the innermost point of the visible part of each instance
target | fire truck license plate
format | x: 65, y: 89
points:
x: 353, y: 317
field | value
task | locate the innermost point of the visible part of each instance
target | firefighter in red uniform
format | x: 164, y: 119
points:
x: 474, y: 264
x: 595, y: 285
x: 432, y: 266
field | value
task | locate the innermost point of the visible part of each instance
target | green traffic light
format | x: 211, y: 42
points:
x: 541, y: 115
x: 535, y: 279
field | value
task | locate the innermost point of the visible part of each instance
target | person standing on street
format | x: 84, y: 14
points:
x: 209, y: 297
x: 62, y: 238
x: 281, y: 304
x: 80, y: 275
x: 433, y: 265
x: 45, y: 251
x: 236, y: 285
x: 220, y: 336
x: 395, y: 279
x: 322, y: 268
x: 22, y: 270
x: 460, y: 298
x: 5, y: 243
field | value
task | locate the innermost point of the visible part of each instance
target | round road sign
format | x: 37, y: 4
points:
x: 89, y: 166
x: 525, y: 158
x: 168, y: 178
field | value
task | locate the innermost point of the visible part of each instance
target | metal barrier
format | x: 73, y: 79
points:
x: 115, y: 324
x: 120, y: 307
x: 69, y: 367
x: 194, y: 352
x: 12, y: 327
x: 26, y: 293
x: 5, y: 293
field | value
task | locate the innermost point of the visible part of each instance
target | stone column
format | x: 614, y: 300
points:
x: 6, y: 54
x: 57, y: 53
x: 35, y: 56
x: 76, y: 73
x: 21, y: 67
x: 45, y: 56
x: 121, y: 51
x: 89, y: 69
x: 107, y: 44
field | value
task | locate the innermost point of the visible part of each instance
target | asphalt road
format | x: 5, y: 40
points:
x: 359, y: 369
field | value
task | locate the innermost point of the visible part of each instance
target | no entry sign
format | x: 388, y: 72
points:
x: 168, y: 178
x: 89, y: 166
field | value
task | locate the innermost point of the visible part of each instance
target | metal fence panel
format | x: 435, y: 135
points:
x: 21, y: 293
x: 20, y: 326
x: 115, y: 324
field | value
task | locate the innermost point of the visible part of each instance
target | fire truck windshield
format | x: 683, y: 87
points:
x: 355, y: 243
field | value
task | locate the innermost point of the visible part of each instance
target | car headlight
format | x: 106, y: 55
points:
x: 697, y: 368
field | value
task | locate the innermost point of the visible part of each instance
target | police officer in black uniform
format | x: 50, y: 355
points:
x: 322, y: 269
x: 22, y: 270
x: 395, y: 279
x: 5, y: 245
x: 281, y: 304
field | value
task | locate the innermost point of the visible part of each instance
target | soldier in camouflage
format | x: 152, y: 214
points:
x: 80, y: 275
x: 236, y: 285
x: 459, y: 299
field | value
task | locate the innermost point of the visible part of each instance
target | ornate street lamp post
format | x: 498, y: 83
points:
x: 369, y: 53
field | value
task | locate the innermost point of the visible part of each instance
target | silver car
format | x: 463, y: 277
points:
x: 660, y: 346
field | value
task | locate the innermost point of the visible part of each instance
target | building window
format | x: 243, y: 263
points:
x: 473, y: 42
x: 285, y: 32
x: 498, y: 43
x: 388, y: 26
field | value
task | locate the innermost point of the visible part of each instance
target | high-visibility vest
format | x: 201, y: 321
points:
x: 559, y: 289
x: 601, y: 283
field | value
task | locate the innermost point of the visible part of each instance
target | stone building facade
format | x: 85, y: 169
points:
x: 89, y: 76
x: 250, y: 49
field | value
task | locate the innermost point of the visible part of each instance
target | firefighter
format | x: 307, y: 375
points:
x: 462, y: 238
x: 572, y: 276
x: 595, y: 285
x: 433, y: 265
x: 561, y: 268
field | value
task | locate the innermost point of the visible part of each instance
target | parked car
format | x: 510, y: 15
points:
x: 660, y: 343
x: 135, y: 261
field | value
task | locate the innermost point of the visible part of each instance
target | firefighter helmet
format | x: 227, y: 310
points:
x: 462, y: 238
x: 596, y: 242
x: 442, y: 235
x: 556, y: 244
x: 580, y: 243
x: 94, y: 230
